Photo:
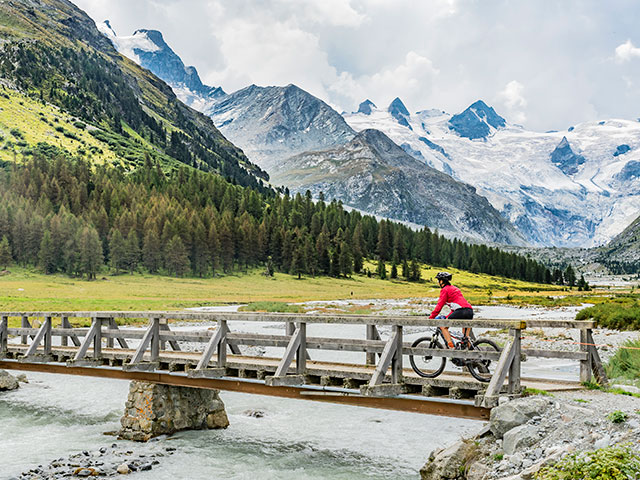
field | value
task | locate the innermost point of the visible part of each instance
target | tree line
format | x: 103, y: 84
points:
x: 66, y: 215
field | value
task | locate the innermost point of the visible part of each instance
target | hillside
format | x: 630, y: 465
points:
x: 373, y: 174
x: 622, y: 254
x: 108, y: 108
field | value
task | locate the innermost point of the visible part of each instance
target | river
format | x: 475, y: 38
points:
x: 54, y: 416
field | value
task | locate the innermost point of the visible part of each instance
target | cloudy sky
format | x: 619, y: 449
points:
x: 543, y: 64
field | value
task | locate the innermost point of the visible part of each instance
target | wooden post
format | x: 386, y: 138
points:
x: 155, y: 339
x: 110, y: 322
x: 97, y: 339
x: 64, y: 339
x: 290, y: 328
x: 396, y: 362
x: 47, y: 335
x: 514, y: 369
x: 301, y: 355
x: 585, y: 365
x: 4, y: 335
x: 25, y: 324
x: 161, y: 326
x: 222, y: 346
x: 372, y: 334
x: 596, y: 363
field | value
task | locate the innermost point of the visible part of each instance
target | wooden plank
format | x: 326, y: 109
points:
x: 222, y: 344
x: 113, y: 326
x: 372, y: 334
x: 97, y: 338
x: 4, y: 334
x: 514, y: 368
x: 214, y: 341
x: 37, y: 340
x: 73, y: 333
x: 24, y: 324
x: 496, y: 382
x: 385, y: 360
x: 404, y: 320
x: 581, y: 324
x: 531, y: 352
x: 585, y: 363
x: 289, y: 353
x: 301, y: 352
x: 155, y: 339
x: 47, y: 336
x: 142, y: 347
x: 172, y: 343
x: 396, y: 361
x: 598, y: 369
x: 84, y: 347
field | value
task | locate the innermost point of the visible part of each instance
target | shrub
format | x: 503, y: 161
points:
x: 610, y: 463
x: 626, y: 361
x: 16, y: 133
x: 267, y: 306
x: 622, y: 313
x: 617, y: 417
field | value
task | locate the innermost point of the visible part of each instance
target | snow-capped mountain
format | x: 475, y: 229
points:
x: 274, y: 123
x: 149, y: 50
x: 375, y: 175
x: 575, y: 188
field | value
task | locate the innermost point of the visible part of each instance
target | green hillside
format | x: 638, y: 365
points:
x: 108, y: 108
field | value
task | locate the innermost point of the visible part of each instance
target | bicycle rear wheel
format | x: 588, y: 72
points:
x: 482, y: 370
x: 427, y: 366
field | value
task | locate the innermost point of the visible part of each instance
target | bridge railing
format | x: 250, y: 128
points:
x: 385, y: 354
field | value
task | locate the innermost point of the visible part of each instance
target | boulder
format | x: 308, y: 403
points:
x: 518, y: 438
x: 517, y: 412
x: 7, y: 381
x: 448, y: 463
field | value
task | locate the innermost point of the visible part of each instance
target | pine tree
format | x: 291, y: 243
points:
x: 5, y: 252
x: 131, y: 251
x: 91, y: 258
x: 570, y: 276
x: 394, y: 270
x: 117, y: 251
x: 152, y: 252
x: 346, y: 261
x: 416, y: 274
x: 406, y: 273
x: 47, y: 254
x: 382, y: 269
x: 176, y: 258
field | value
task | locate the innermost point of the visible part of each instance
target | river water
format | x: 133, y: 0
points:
x: 55, y: 416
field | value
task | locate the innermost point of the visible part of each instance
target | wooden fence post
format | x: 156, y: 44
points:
x: 585, y: 365
x: 514, y: 369
x: 25, y: 324
x: 97, y: 339
x: 396, y: 362
x: 222, y: 346
x: 372, y: 334
x: 4, y: 335
x: 301, y: 355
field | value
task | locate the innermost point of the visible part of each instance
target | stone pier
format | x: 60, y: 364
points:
x: 154, y: 409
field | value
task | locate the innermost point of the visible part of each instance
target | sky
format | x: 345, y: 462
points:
x: 546, y: 65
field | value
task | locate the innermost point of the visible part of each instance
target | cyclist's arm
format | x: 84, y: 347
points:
x: 441, y: 302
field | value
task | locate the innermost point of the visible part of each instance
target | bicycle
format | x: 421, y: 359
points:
x: 429, y: 366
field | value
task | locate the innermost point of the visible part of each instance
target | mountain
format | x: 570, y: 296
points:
x: 399, y: 112
x: 477, y: 121
x: 68, y: 89
x: 373, y: 174
x: 622, y: 254
x: 567, y: 189
x: 149, y: 50
x: 366, y: 107
x: 274, y: 123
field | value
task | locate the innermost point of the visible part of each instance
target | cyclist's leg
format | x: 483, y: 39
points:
x: 447, y: 336
x: 463, y: 314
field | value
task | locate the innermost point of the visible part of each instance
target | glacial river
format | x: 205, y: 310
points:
x: 55, y: 416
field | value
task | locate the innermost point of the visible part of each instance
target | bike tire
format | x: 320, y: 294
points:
x: 482, y: 370
x: 427, y: 367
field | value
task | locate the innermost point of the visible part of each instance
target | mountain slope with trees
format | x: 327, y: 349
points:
x: 52, y: 52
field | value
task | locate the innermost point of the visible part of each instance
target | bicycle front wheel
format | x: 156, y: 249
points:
x: 427, y: 366
x: 482, y: 369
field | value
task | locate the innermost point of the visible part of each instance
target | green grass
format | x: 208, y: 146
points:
x: 280, y: 307
x: 620, y: 312
x: 26, y: 290
x: 617, y: 416
x: 625, y: 363
x: 610, y: 463
x: 528, y: 392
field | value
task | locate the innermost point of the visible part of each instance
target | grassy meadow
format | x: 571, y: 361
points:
x: 26, y: 290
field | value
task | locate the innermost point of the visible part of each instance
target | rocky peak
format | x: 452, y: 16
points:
x: 366, y: 107
x: 477, y: 121
x: 565, y: 158
x: 399, y: 112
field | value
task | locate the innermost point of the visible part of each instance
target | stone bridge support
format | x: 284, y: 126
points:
x: 153, y: 409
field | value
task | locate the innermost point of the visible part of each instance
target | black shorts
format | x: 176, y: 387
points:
x: 462, y: 313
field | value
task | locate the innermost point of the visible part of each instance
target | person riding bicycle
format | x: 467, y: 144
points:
x: 452, y: 296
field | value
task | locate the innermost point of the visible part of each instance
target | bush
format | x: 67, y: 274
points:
x: 610, y: 463
x: 622, y: 314
x: 16, y: 133
x: 617, y: 417
x: 626, y: 361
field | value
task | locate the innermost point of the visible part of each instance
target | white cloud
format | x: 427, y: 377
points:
x: 626, y: 51
x: 513, y: 100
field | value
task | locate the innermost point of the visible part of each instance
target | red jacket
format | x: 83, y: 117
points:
x: 451, y: 296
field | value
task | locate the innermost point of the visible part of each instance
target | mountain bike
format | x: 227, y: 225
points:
x: 431, y: 366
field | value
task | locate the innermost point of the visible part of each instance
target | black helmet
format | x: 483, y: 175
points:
x: 446, y: 276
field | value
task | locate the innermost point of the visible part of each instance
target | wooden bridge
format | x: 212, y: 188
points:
x: 213, y: 357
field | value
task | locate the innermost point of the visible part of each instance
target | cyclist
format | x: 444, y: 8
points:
x: 452, y: 296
